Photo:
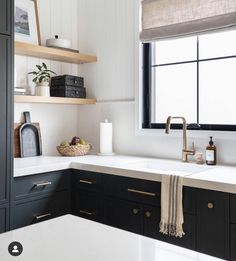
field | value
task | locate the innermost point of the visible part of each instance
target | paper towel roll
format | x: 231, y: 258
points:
x: 106, y: 138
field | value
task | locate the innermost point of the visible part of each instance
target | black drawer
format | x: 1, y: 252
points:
x: 88, y: 205
x: 152, y: 216
x: 35, y: 185
x: 3, y: 219
x: 233, y: 208
x: 43, y: 208
x: 87, y: 181
x: 138, y: 190
x: 233, y: 242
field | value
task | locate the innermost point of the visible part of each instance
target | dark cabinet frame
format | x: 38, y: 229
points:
x: 6, y: 107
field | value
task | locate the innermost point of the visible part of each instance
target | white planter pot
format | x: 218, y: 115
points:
x: 42, y: 90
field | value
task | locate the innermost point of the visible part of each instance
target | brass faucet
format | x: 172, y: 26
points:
x: 185, y: 151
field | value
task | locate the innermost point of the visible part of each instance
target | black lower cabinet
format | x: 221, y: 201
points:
x: 233, y: 242
x: 88, y: 205
x: 152, y: 216
x: 129, y: 204
x: 39, y: 209
x: 124, y: 215
x: 213, y: 223
x: 4, y: 212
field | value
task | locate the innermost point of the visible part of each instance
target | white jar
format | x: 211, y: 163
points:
x: 42, y: 89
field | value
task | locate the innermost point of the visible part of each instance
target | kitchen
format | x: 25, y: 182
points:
x: 109, y: 33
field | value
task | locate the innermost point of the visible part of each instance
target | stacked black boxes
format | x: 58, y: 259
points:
x: 67, y: 86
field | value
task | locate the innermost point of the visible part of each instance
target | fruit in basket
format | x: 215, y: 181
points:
x: 65, y: 144
x: 83, y: 142
x: 75, y: 140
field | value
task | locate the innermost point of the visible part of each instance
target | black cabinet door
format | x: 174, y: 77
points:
x: 39, y: 209
x: 124, y: 214
x: 233, y: 242
x: 5, y: 12
x: 152, y: 217
x: 88, y: 205
x: 213, y: 223
x: 4, y: 72
x: 4, y: 218
x: 233, y: 208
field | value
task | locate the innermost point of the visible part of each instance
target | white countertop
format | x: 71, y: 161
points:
x: 219, y: 178
x: 73, y: 238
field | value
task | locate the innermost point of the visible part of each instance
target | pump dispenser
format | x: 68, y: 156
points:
x: 211, y: 153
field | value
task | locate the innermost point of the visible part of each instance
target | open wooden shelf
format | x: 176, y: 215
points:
x: 53, y: 53
x: 52, y: 100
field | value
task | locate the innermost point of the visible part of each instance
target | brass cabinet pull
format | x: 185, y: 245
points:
x: 148, y: 214
x: 142, y: 192
x: 43, y: 184
x: 86, y: 181
x: 135, y: 211
x: 86, y: 212
x: 43, y: 216
x: 210, y: 205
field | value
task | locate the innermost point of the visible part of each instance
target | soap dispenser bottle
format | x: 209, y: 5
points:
x: 211, y: 153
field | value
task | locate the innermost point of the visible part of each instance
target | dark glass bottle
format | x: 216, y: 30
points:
x: 211, y: 153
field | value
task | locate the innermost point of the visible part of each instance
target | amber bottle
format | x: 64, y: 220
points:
x: 211, y: 153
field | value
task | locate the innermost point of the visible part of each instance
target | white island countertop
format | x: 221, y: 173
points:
x: 72, y: 238
x: 219, y: 178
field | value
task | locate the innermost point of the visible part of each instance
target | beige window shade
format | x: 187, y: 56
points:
x: 173, y: 18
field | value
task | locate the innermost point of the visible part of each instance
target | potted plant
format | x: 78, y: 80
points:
x: 42, y: 78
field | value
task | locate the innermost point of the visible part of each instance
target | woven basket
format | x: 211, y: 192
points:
x: 74, y: 150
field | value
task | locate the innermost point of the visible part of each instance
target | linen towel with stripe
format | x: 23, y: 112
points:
x: 172, y: 218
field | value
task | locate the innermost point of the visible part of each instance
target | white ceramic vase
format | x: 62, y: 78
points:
x: 42, y: 89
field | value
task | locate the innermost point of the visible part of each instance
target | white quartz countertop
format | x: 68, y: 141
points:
x: 219, y: 178
x: 73, y: 238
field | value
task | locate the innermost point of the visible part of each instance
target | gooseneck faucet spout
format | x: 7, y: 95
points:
x: 185, y: 151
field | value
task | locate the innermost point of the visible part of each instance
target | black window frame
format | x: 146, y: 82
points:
x: 147, y: 90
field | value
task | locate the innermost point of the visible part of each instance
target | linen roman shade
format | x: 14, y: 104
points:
x: 173, y: 18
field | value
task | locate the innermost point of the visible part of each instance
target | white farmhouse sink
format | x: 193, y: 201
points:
x: 166, y: 167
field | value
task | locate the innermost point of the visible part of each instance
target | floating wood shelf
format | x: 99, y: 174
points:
x: 53, y: 53
x: 52, y: 100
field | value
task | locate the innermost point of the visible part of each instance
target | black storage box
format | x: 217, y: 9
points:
x: 68, y: 91
x: 64, y: 80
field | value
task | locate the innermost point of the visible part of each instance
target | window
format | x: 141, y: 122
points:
x: 194, y: 77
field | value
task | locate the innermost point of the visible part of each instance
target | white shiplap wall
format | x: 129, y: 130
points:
x: 57, y: 122
x: 110, y: 28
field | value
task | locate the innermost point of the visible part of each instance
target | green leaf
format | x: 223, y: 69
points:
x: 50, y: 71
x: 35, y: 79
x: 39, y: 67
x: 34, y: 73
x: 44, y: 65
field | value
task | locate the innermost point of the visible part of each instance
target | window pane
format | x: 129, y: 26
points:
x: 177, y: 50
x: 217, y: 44
x: 217, y: 92
x: 174, y: 92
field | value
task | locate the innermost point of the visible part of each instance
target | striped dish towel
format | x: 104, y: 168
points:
x: 172, y: 218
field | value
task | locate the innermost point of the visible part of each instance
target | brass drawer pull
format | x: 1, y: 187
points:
x: 86, y: 181
x: 148, y: 214
x: 142, y: 192
x: 135, y: 211
x: 43, y: 216
x: 43, y: 184
x: 87, y: 213
x: 210, y: 205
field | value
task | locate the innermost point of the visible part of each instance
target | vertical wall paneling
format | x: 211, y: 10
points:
x: 56, y: 17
